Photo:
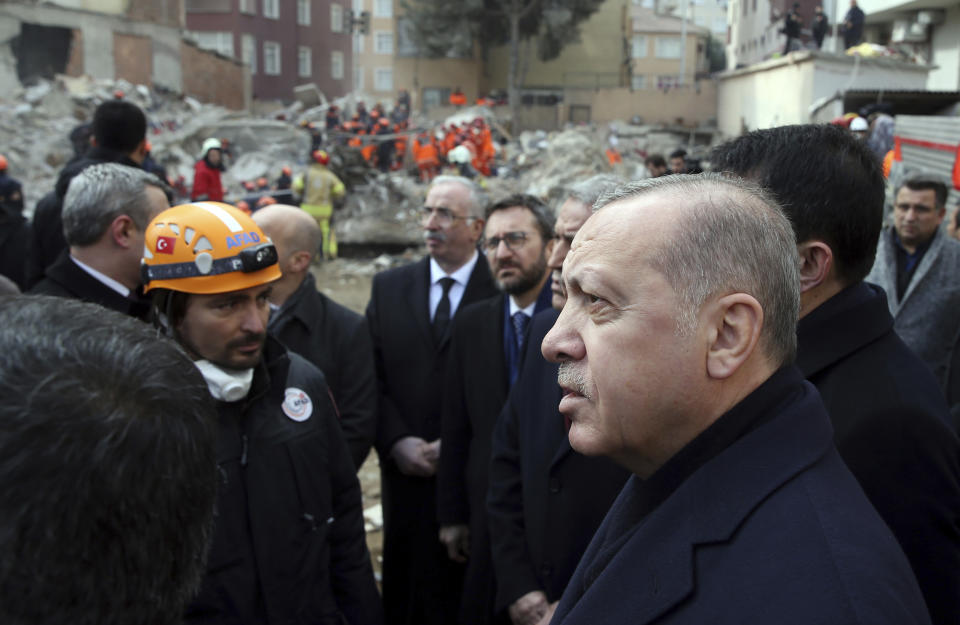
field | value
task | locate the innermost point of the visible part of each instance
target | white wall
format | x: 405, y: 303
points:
x: 945, y: 45
x: 781, y: 91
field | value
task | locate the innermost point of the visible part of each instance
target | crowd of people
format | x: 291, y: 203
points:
x: 727, y: 397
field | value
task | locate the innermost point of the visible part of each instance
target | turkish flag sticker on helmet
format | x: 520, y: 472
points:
x: 165, y: 245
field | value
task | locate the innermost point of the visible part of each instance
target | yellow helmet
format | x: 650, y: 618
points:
x: 206, y: 247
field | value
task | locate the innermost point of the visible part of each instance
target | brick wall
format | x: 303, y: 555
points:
x: 212, y: 78
x: 75, y: 63
x: 133, y: 58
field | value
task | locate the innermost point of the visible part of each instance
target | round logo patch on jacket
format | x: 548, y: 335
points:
x: 297, y: 404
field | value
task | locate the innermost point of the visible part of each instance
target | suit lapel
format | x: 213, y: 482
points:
x: 417, y: 293
x: 924, y: 267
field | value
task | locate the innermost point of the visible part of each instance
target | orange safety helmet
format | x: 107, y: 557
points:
x: 321, y: 157
x: 206, y: 247
x: 286, y: 170
x: 3, y: 162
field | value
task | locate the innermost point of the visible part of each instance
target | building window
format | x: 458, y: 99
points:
x: 383, y: 8
x: 383, y: 79
x: 639, y: 47
x: 336, y: 18
x: 271, y: 58
x: 358, y: 43
x: 248, y: 6
x: 248, y: 45
x: 336, y: 65
x: 304, y: 69
x: 638, y: 82
x: 271, y: 9
x: 303, y: 12
x: 217, y: 41
x: 383, y: 42
x: 668, y: 47
x: 358, y: 78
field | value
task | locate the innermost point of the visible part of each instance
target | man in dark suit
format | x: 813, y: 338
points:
x: 485, y: 352
x: 409, y: 315
x: 331, y: 336
x: 105, y: 215
x: 119, y: 135
x: 887, y: 411
x: 545, y: 500
x: 675, y: 357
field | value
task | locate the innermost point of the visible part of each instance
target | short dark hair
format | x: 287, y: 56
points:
x: 926, y: 182
x: 119, y: 125
x: 829, y: 183
x: 535, y: 205
x: 656, y: 160
x: 107, y: 467
x: 681, y: 153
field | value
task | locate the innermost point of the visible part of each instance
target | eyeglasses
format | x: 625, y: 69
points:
x: 513, y: 240
x: 444, y: 216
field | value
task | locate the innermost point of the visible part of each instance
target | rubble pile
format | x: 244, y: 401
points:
x: 381, y: 211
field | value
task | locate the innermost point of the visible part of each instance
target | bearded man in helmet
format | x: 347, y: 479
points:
x: 318, y: 189
x: 288, y: 544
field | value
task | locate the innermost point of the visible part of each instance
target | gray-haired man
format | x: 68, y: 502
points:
x: 105, y: 212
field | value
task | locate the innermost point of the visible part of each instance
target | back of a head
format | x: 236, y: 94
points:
x: 730, y: 236
x: 108, y: 471
x: 119, y: 125
x: 829, y: 183
x: 101, y: 193
x: 655, y: 160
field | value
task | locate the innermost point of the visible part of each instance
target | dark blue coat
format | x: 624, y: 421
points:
x: 772, y: 529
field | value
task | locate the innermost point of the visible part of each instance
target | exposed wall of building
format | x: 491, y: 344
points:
x: 421, y: 76
x: 744, y: 99
x: 97, y: 36
x: 945, y: 45
x: 134, y: 58
x: 213, y: 78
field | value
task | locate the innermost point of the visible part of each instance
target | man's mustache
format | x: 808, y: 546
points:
x: 572, y: 378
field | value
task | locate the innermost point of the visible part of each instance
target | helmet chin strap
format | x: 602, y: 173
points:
x: 225, y: 384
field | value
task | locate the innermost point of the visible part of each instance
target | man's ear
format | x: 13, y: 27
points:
x: 299, y: 261
x: 476, y: 227
x: 816, y: 263
x: 734, y: 322
x: 140, y: 152
x: 121, y: 231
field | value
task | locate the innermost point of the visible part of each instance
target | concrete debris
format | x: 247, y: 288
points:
x: 373, y: 518
x: 381, y: 211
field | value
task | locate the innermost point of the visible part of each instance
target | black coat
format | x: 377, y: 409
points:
x: 420, y: 583
x: 65, y: 278
x: 15, y: 236
x: 889, y: 419
x: 545, y: 500
x: 337, y: 341
x: 288, y: 545
x: 48, y: 240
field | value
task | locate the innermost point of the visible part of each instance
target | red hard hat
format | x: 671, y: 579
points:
x: 286, y: 170
x: 3, y: 162
x: 321, y: 157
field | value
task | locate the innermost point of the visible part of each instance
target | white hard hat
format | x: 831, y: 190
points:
x: 859, y: 124
x: 210, y: 144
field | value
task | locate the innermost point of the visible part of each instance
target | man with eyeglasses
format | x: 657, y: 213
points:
x: 545, y: 500
x: 486, y: 346
x: 409, y: 313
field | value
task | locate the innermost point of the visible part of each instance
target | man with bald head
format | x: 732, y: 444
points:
x: 331, y: 336
x: 676, y: 357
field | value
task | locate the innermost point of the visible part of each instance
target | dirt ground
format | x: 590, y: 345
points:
x: 348, y: 282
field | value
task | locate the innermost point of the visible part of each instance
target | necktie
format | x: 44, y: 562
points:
x: 441, y: 318
x: 520, y: 321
